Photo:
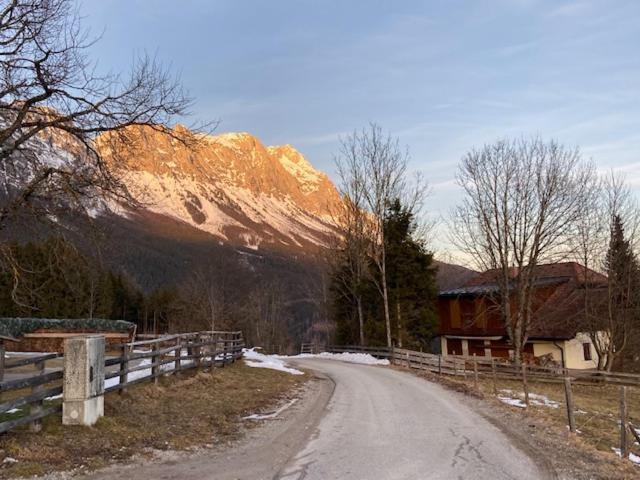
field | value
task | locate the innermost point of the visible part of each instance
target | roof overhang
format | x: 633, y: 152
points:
x: 474, y: 337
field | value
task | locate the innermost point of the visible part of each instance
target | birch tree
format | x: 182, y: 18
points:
x: 351, y: 265
x: 374, y: 165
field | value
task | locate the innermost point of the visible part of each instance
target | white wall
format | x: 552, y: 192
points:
x: 574, y: 354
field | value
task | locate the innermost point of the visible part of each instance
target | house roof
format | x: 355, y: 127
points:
x: 558, y: 315
x: 571, y: 270
x: 493, y: 287
x: 13, y: 328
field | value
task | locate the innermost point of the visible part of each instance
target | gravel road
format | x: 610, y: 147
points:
x: 358, y: 422
x: 387, y: 424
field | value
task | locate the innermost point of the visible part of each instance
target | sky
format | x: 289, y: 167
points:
x: 442, y: 76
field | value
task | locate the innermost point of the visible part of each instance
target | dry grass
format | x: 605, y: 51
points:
x: 597, y: 413
x: 178, y: 413
x: 597, y: 410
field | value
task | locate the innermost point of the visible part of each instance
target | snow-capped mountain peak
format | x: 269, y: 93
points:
x: 233, y: 187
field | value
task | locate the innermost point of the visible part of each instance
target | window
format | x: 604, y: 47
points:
x: 586, y: 350
x: 454, y: 311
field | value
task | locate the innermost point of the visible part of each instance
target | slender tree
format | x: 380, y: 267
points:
x: 375, y: 165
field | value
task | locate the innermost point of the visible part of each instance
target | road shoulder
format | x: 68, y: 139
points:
x: 561, y: 454
x: 268, y: 446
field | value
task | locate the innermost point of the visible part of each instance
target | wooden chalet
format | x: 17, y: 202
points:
x: 471, y: 322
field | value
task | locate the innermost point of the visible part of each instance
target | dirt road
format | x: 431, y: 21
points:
x: 360, y: 422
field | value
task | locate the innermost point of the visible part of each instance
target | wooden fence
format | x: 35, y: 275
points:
x: 463, y: 366
x: 135, y: 362
x: 171, y: 354
x: 38, y: 387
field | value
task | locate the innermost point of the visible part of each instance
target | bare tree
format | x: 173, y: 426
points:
x: 522, y: 199
x: 608, y: 223
x: 374, y: 172
x: 54, y: 104
x: 351, y: 265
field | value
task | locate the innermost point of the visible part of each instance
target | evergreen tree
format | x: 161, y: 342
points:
x: 412, y: 279
x: 623, y: 288
x: 412, y: 289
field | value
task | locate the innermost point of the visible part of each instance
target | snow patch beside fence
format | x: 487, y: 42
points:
x: 632, y: 456
x: 517, y: 399
x: 361, y: 358
x: 259, y: 360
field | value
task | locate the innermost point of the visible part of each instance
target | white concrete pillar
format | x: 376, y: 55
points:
x: 83, y: 387
x: 487, y: 348
x: 443, y: 346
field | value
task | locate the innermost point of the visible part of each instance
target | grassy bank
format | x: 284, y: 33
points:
x: 178, y: 413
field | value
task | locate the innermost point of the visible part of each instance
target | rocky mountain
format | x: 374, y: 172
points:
x: 238, y: 192
x: 233, y: 187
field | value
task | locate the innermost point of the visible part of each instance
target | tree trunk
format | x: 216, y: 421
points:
x: 399, y: 321
x: 360, y: 319
x: 385, y: 300
x: 517, y: 342
x: 610, y: 357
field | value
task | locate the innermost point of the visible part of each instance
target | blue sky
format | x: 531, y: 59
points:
x: 443, y: 76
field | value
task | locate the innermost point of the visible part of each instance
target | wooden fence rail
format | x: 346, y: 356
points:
x: 178, y: 352
x: 135, y: 362
x: 462, y: 366
x: 39, y: 386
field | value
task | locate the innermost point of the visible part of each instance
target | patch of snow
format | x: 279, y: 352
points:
x: 259, y: 360
x: 361, y: 358
x: 257, y: 416
x: 9, y: 460
x: 14, y: 410
x: 298, y: 167
x: 517, y: 399
x: 632, y: 456
x: 514, y: 402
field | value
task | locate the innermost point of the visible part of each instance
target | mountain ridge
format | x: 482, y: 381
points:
x: 232, y: 186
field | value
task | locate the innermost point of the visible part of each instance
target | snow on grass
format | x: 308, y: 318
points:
x: 517, y: 399
x: 632, y: 456
x: 361, y: 358
x: 514, y: 402
x: 259, y: 360
x: 266, y: 416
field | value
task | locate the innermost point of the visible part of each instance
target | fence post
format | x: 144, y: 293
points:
x: 224, y: 351
x: 234, y: 347
x: 2, y: 352
x: 439, y: 364
x: 154, y: 360
x: 494, y: 374
x: 525, y: 385
x: 177, y: 353
x: 124, y: 366
x: 475, y: 372
x: 569, y: 397
x: 408, y: 361
x: 197, y: 350
x: 624, y: 420
x: 464, y: 368
x: 37, y: 407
